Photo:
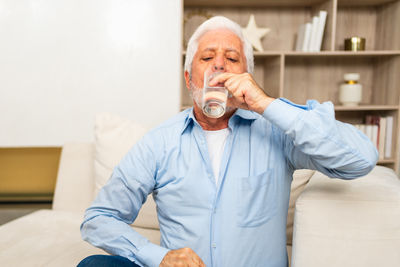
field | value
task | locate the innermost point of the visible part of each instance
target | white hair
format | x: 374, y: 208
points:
x: 215, y: 23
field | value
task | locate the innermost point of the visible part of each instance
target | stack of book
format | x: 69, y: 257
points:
x: 379, y: 130
x: 309, y: 35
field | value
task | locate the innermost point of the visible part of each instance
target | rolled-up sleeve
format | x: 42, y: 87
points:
x: 314, y: 139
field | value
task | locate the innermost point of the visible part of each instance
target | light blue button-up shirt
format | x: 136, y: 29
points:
x: 241, y: 221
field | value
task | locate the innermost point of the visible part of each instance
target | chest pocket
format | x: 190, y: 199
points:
x: 256, y: 202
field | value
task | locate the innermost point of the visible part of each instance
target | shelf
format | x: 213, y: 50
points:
x: 368, y: 107
x: 280, y: 3
x: 250, y: 3
x: 328, y: 53
x: 386, y: 161
x: 341, y: 3
x: 324, y: 53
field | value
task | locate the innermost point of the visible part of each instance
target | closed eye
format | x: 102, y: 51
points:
x: 232, y: 60
x: 206, y: 58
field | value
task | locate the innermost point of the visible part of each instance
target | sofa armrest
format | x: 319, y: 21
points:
x: 348, y: 222
x: 74, y: 187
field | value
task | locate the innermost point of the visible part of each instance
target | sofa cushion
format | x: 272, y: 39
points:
x: 348, y: 222
x: 75, y: 182
x: 300, y: 180
x: 44, y: 238
x: 50, y: 238
x: 114, y: 136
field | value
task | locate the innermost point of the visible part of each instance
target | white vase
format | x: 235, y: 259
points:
x: 350, y: 93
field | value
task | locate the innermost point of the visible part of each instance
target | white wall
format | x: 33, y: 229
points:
x: 63, y: 61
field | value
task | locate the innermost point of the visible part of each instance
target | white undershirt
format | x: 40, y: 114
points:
x: 216, y: 143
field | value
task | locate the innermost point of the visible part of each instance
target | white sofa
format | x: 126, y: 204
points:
x: 337, y: 223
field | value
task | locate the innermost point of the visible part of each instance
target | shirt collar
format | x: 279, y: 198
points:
x: 239, y: 114
x: 189, y: 119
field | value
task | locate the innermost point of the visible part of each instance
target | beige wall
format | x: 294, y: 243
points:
x: 64, y: 61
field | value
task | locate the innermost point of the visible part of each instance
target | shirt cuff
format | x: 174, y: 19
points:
x: 151, y: 255
x: 283, y: 113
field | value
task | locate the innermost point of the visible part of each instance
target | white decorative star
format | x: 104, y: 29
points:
x: 254, y: 34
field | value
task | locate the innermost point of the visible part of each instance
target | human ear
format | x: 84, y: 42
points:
x: 187, y: 79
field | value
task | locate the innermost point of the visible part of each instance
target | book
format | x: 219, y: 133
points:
x: 375, y: 131
x: 320, y: 30
x: 368, y: 131
x: 362, y: 128
x: 374, y: 121
x: 300, y: 37
x: 307, y: 35
x: 382, y: 135
x: 380, y: 131
x: 314, y: 32
x: 388, y: 137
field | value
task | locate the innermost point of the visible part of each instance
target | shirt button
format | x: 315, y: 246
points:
x: 214, y: 245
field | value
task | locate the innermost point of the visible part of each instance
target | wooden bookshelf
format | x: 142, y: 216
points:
x: 299, y: 76
x: 367, y: 107
x: 327, y: 53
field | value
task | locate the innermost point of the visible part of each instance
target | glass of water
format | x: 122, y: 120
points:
x: 214, y: 97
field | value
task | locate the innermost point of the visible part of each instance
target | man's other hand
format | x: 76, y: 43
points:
x: 246, y: 94
x: 182, y: 257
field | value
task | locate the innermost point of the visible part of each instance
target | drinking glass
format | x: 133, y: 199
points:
x: 214, y: 97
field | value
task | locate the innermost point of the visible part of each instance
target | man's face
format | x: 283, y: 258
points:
x: 219, y: 50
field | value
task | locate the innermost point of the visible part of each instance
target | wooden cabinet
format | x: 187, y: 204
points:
x: 299, y: 76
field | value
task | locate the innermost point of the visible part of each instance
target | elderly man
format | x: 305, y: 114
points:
x: 221, y: 185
